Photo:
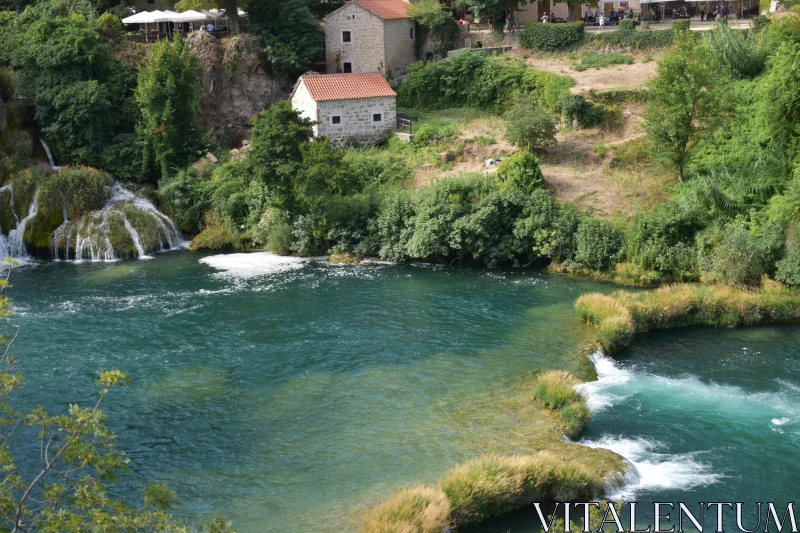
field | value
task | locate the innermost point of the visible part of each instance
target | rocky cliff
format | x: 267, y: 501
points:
x: 236, y: 84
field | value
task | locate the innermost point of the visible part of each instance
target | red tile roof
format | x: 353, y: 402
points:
x: 386, y: 9
x: 346, y: 86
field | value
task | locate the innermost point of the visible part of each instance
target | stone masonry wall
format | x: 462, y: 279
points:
x: 365, y: 51
x: 400, y: 49
x: 357, y: 125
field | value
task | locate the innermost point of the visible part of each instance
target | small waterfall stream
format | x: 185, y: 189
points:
x: 49, y: 154
x: 16, y: 244
x: 128, y: 225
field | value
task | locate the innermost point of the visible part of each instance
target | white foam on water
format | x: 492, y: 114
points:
x: 654, y: 469
x: 251, y: 265
x: 780, y: 421
x: 609, y: 374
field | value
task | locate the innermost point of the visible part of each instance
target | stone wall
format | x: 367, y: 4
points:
x: 236, y: 84
x: 365, y: 50
x: 357, y: 125
x: 400, y: 47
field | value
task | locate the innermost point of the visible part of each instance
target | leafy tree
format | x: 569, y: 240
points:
x: 58, y: 468
x: 521, y: 170
x: 291, y: 36
x: 82, y: 95
x: 685, y: 100
x: 436, y: 24
x: 168, y: 95
x: 276, y: 154
x: 528, y: 125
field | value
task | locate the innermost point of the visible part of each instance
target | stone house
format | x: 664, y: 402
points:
x: 356, y: 108
x: 370, y: 36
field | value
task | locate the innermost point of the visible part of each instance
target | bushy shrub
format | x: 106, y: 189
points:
x: 576, y: 108
x: 738, y: 258
x: 428, y: 133
x: 633, y: 40
x: 521, y: 170
x: 551, y: 37
x: 627, y: 27
x: 788, y: 269
x: 661, y: 241
x: 598, y: 244
x: 478, y: 81
x: 680, y: 25
x: 528, y: 125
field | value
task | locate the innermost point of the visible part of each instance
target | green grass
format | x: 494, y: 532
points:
x: 556, y: 389
x: 621, y: 315
x: 492, y: 485
x: 601, y: 61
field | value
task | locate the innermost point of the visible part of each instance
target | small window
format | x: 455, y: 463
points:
x: 336, y: 119
x: 347, y: 67
x: 346, y: 37
x: 411, y: 32
x: 377, y: 117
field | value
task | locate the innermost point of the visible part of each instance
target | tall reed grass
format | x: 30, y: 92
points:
x: 491, y: 485
x: 556, y: 389
x: 621, y: 315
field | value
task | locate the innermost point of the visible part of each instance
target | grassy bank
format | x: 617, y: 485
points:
x: 556, y: 389
x: 492, y: 485
x: 621, y: 315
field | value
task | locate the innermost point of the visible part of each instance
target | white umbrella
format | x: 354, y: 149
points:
x: 190, y: 16
x: 143, y: 17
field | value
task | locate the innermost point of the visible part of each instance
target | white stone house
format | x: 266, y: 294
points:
x: 370, y: 36
x: 357, y: 108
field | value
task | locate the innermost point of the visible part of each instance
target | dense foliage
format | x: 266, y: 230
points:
x: 552, y: 37
x: 475, y: 80
x: 82, y: 95
x: 168, y: 95
x: 292, y: 38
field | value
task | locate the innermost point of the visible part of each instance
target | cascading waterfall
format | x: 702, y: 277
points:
x: 49, y: 154
x: 128, y: 225
x: 16, y: 242
x: 94, y: 234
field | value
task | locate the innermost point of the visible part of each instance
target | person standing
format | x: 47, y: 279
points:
x: 702, y: 12
x: 210, y: 27
x: 589, y: 15
x: 601, y: 17
x: 545, y: 18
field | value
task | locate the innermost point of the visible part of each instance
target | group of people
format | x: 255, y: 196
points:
x: 612, y: 15
x: 720, y: 12
x: 549, y: 18
x: 209, y: 27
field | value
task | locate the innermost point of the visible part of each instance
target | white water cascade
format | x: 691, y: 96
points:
x: 128, y: 225
x: 49, y: 154
x: 16, y: 243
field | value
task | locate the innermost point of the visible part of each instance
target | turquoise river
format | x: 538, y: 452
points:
x: 285, y: 394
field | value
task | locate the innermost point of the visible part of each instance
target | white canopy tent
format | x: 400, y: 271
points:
x: 190, y: 16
